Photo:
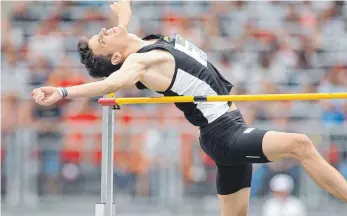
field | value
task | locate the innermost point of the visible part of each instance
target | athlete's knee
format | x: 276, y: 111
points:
x: 302, y: 147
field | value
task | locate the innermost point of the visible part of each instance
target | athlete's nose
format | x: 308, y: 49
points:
x: 104, y: 31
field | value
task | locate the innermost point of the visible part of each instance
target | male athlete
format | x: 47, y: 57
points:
x: 174, y: 66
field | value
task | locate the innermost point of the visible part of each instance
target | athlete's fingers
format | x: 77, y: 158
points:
x: 117, y: 5
x: 44, y: 101
x: 40, y: 100
x: 47, y: 89
x: 36, y: 93
x: 123, y: 1
x: 37, y: 100
x: 40, y: 93
x: 114, y: 5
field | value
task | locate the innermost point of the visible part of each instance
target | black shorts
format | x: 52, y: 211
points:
x: 234, y: 147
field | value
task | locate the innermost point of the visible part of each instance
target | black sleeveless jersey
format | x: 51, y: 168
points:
x: 194, y: 75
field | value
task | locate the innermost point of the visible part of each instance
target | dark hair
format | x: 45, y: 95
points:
x: 97, y: 66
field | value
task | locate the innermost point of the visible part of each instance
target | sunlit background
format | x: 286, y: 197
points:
x: 50, y: 157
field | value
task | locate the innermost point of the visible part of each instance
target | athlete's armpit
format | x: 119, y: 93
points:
x: 153, y: 57
x: 128, y: 75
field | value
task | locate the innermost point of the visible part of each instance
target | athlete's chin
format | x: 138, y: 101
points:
x: 116, y: 30
x: 119, y: 31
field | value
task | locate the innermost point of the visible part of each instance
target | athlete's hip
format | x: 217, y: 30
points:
x: 229, y: 119
x: 217, y: 137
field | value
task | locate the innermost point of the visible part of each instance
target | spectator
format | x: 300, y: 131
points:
x: 343, y: 165
x: 344, y: 110
x: 47, y: 41
x: 40, y: 70
x: 332, y: 115
x: 78, y: 118
x: 65, y: 74
x: 308, y: 57
x: 22, y: 12
x: 332, y: 83
x: 49, y: 141
x: 281, y: 202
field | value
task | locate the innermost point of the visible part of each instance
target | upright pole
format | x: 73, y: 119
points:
x: 109, y: 162
x: 106, y: 207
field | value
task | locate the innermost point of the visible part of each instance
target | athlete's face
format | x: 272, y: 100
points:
x: 110, y: 43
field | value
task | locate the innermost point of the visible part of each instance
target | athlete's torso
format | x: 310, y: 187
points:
x: 159, y: 76
x: 188, y: 73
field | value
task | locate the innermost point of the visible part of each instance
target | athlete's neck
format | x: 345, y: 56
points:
x: 135, y: 44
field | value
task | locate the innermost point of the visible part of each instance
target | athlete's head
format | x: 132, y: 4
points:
x: 103, y: 53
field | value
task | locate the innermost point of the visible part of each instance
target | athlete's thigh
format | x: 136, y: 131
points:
x: 248, y: 147
x: 261, y: 146
x: 277, y: 145
x: 233, y: 188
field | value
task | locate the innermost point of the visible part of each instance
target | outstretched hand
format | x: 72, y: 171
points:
x: 121, y: 6
x: 122, y: 10
x: 46, y: 96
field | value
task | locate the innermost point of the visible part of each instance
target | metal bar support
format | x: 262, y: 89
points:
x: 107, y: 207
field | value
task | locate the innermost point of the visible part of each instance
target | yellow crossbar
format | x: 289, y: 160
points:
x: 220, y: 98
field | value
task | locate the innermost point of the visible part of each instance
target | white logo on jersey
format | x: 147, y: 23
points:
x: 190, y: 49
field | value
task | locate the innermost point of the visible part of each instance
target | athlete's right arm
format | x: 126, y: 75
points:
x: 130, y: 72
x: 126, y: 76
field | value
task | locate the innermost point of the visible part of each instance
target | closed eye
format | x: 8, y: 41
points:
x: 101, y: 41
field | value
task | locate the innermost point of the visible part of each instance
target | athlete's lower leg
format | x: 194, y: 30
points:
x: 235, y: 204
x: 277, y: 145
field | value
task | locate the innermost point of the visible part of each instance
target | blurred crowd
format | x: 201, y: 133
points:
x: 261, y: 47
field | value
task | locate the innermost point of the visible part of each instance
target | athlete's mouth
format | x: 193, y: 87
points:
x: 112, y: 30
